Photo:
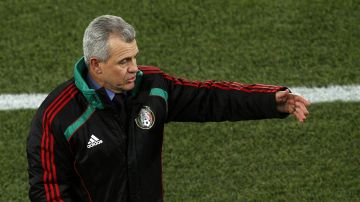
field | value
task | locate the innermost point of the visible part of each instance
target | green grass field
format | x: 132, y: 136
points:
x: 283, y: 42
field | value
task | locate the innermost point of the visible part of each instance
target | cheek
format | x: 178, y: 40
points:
x: 118, y: 75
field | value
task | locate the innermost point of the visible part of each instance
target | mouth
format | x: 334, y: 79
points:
x: 132, y: 79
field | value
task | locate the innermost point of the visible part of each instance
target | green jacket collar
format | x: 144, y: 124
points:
x: 90, y: 94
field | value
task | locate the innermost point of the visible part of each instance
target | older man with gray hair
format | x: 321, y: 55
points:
x: 99, y: 135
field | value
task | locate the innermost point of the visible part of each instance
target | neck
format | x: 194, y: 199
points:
x: 94, y: 77
x: 101, y: 83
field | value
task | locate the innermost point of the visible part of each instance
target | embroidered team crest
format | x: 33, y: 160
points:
x: 145, y: 119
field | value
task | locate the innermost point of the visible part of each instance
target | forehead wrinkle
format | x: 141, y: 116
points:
x: 121, y: 48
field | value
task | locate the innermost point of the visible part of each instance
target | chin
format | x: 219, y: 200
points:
x: 128, y: 87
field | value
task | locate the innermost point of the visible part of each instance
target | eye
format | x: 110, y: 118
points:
x: 124, y: 61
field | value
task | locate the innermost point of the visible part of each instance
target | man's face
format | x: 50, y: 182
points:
x: 118, y: 73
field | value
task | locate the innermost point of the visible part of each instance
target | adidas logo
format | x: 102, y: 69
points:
x: 93, y: 141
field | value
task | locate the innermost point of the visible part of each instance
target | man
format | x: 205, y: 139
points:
x: 98, y: 136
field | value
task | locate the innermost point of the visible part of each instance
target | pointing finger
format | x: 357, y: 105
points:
x: 299, y: 98
x: 299, y: 115
x: 302, y: 108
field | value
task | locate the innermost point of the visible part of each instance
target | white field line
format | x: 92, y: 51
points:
x: 21, y: 101
x: 350, y: 93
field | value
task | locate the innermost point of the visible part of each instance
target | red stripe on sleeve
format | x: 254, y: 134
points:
x: 224, y: 85
x: 47, y: 143
x: 44, y: 141
x: 148, y: 68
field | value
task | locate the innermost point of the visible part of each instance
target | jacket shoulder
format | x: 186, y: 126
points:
x: 61, y: 90
x: 61, y: 108
x: 150, y: 70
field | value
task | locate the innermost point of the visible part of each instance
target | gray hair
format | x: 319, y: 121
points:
x: 95, y: 41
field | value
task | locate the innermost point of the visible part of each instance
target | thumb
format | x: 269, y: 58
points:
x: 281, y: 96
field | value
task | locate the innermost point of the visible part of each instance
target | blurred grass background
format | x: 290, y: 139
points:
x: 281, y: 42
x: 284, y: 42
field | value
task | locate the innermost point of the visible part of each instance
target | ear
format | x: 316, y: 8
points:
x: 95, y: 66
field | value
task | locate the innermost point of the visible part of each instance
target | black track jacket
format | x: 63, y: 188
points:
x: 78, y: 151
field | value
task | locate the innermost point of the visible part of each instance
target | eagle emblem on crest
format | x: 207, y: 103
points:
x: 145, y: 118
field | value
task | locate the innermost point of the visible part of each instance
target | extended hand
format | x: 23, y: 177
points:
x: 293, y: 104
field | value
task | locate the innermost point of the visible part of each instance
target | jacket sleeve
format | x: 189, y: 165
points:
x: 220, y: 101
x: 49, y: 164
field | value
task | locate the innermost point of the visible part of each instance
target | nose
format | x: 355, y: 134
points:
x: 133, y: 67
